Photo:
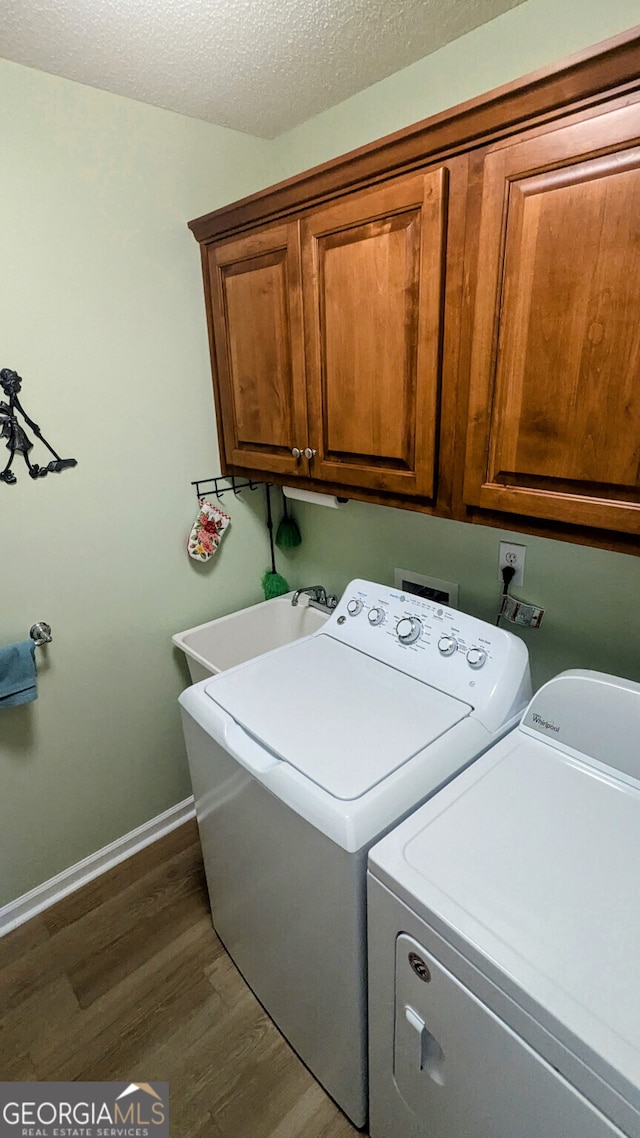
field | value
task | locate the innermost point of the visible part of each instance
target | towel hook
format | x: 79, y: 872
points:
x: 219, y: 489
x: 41, y: 633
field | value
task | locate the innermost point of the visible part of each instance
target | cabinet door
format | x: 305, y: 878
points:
x: 554, y: 427
x: 372, y: 279
x: 256, y: 305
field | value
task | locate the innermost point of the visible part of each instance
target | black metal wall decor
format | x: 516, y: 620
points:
x: 17, y: 439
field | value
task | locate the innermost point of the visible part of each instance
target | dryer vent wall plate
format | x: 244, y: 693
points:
x: 431, y: 588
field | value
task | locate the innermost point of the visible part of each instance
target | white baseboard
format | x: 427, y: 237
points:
x: 32, y: 903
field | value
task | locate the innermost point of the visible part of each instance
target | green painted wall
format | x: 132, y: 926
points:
x: 102, y: 314
x: 591, y: 597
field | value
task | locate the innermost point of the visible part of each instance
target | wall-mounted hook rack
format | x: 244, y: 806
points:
x: 215, y: 485
x: 41, y: 633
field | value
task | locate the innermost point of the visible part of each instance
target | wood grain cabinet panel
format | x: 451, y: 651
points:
x: 448, y: 319
x: 372, y: 272
x: 326, y: 336
x: 554, y: 427
x: 256, y: 306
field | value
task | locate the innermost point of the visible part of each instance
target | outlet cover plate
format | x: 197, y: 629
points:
x: 514, y: 555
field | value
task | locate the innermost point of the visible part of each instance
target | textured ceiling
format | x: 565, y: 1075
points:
x: 260, y: 66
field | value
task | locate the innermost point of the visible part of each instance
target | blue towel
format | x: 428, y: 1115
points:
x: 18, y: 674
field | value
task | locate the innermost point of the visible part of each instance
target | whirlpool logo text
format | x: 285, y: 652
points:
x: 540, y: 722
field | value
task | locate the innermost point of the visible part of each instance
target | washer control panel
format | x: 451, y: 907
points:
x: 395, y: 611
x: 444, y: 647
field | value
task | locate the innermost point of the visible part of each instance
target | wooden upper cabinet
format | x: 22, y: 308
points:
x: 477, y: 274
x: 256, y: 312
x: 554, y: 420
x: 372, y: 272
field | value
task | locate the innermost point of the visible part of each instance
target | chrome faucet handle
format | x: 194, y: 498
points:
x: 317, y: 592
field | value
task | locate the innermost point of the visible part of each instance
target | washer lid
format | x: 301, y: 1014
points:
x: 341, y: 718
x: 527, y: 863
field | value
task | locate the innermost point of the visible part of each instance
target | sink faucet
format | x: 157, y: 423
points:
x: 318, y: 598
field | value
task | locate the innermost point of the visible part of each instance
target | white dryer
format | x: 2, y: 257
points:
x: 302, y: 758
x: 504, y: 934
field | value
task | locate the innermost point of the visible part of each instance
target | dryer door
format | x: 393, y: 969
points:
x: 462, y: 1071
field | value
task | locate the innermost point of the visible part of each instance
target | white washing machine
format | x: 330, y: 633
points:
x: 504, y: 934
x: 302, y: 758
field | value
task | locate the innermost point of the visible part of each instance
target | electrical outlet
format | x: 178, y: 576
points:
x: 514, y: 556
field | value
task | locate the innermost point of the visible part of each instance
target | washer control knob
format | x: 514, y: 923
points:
x: 476, y: 657
x: 376, y: 616
x: 354, y: 606
x: 408, y: 629
x: 447, y: 645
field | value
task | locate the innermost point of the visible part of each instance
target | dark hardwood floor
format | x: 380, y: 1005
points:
x: 126, y: 980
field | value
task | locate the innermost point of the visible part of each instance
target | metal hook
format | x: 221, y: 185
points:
x: 203, y: 486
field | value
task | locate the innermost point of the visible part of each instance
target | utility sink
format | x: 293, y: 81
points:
x: 220, y: 644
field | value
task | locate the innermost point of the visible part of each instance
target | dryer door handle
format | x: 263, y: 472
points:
x: 430, y: 1054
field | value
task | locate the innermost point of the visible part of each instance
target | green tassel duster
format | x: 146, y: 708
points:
x: 288, y: 534
x: 273, y: 585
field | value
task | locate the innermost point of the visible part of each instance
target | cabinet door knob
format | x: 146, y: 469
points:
x: 308, y: 453
x: 296, y: 452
